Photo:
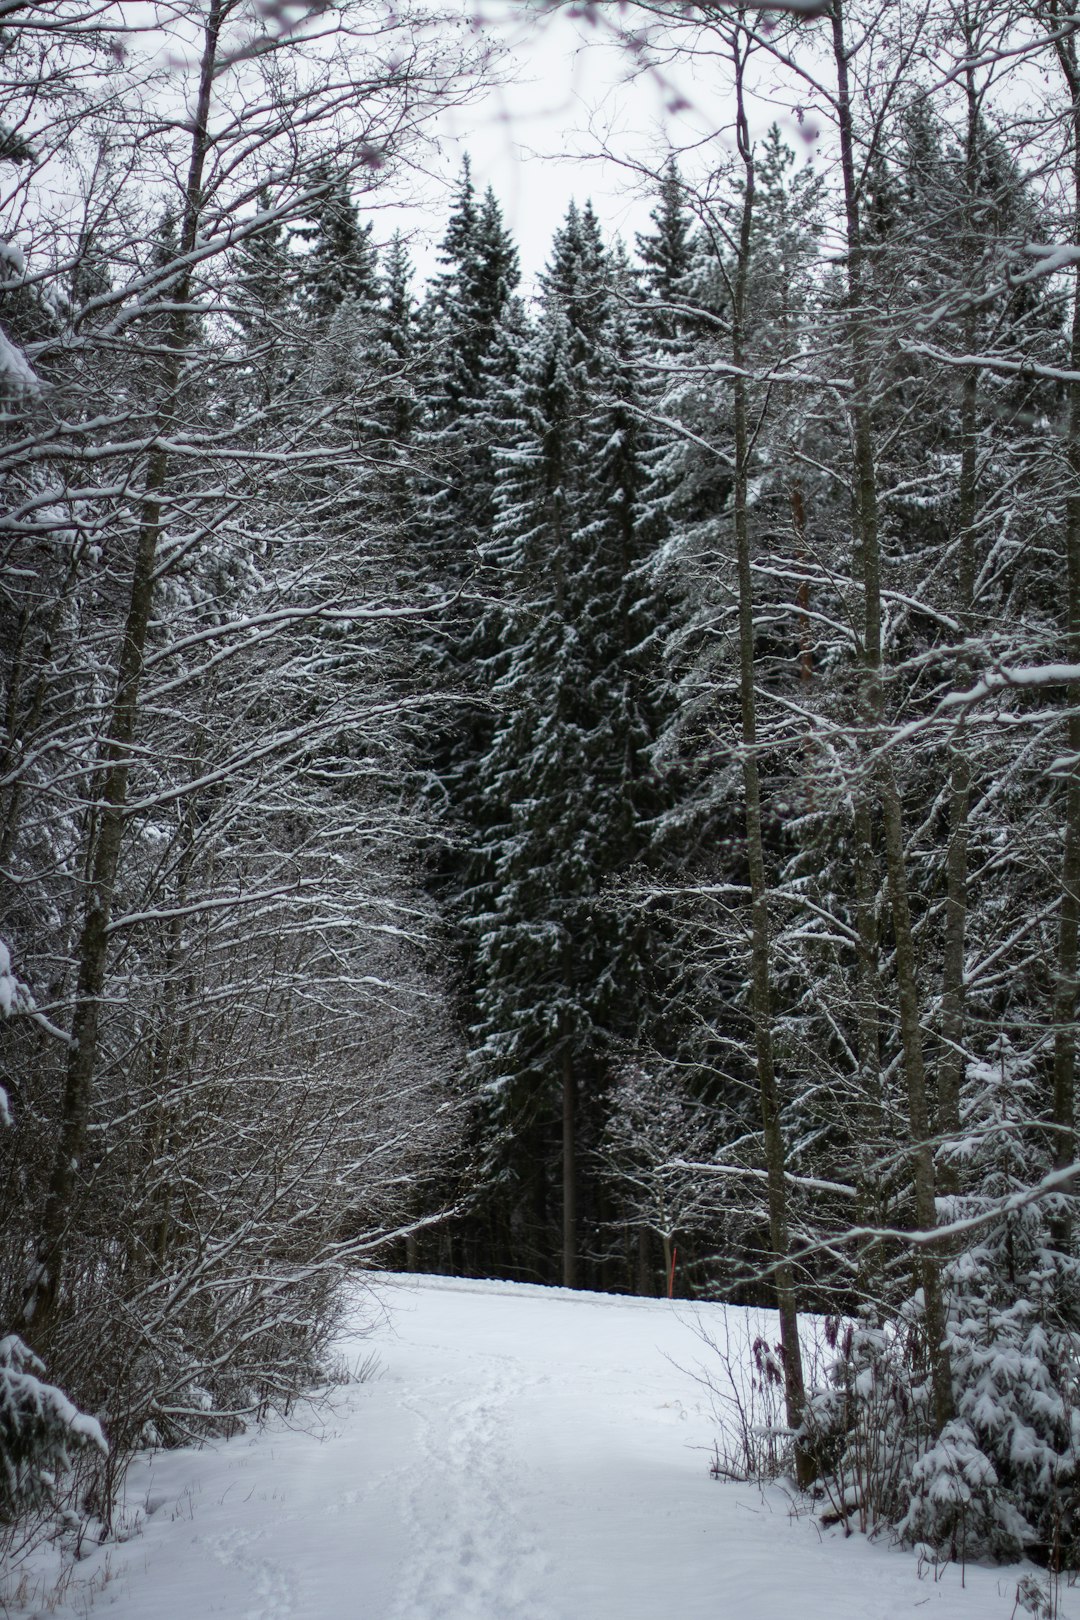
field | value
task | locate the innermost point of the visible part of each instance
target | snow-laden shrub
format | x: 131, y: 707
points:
x: 868, y: 1421
x: 40, y: 1431
x: 1001, y: 1477
x: 14, y: 997
x: 955, y: 1500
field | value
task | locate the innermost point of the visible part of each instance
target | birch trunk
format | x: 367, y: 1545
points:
x: 1064, y: 1098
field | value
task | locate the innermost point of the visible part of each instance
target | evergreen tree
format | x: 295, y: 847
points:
x: 398, y: 338
x: 565, y: 779
x: 265, y: 271
x: 468, y: 337
x: 667, y: 255
x: 460, y: 324
x: 341, y: 261
x: 266, y: 285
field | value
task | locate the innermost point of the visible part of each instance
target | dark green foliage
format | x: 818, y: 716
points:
x: 666, y: 253
x: 341, y: 261
x: 565, y: 780
x: 41, y: 1433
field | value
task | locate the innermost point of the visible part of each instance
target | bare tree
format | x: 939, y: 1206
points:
x: 205, y: 832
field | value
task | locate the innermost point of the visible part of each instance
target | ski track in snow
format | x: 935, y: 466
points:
x: 522, y: 1454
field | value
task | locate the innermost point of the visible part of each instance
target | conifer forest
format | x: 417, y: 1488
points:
x: 571, y: 780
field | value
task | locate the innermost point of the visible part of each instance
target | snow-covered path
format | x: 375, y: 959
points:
x: 523, y: 1454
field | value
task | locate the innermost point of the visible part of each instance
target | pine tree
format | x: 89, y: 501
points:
x: 566, y: 780
x: 341, y: 261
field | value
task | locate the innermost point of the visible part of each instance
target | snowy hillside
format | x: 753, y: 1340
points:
x: 521, y: 1454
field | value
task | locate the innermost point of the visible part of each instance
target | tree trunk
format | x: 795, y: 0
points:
x: 1065, y: 990
x: 883, y: 780
x: 645, y: 1283
x: 953, y: 1000
x: 569, y: 1173
x: 44, y: 1282
x: 760, y: 971
x: 1069, y: 923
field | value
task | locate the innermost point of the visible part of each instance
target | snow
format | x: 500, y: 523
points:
x: 1000, y: 680
x: 12, y: 257
x: 520, y: 1454
x: 15, y: 369
x: 49, y: 1406
x: 10, y: 995
x: 1053, y: 256
x: 9, y: 985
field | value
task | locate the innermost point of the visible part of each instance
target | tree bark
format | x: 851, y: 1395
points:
x: 645, y: 1281
x: 1067, y: 983
x: 569, y: 1173
x: 92, y: 955
x: 760, y: 993
x: 873, y: 1187
x: 953, y: 998
x: 880, y: 770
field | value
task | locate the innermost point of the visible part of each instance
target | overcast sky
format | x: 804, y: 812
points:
x: 570, y: 90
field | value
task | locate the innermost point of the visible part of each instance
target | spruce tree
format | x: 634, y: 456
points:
x: 397, y: 333
x: 341, y: 261
x: 460, y: 327
x: 667, y: 255
x: 466, y: 341
x: 565, y: 778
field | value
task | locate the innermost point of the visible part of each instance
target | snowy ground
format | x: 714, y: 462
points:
x: 521, y: 1454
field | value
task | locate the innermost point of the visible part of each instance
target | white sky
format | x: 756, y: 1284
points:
x: 571, y: 91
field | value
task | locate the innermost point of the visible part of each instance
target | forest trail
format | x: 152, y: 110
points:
x: 519, y: 1454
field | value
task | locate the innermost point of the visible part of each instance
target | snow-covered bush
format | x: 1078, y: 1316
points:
x: 955, y: 1501
x: 40, y: 1428
x: 14, y: 997
x: 40, y: 1431
x: 1001, y: 1477
x: 868, y: 1421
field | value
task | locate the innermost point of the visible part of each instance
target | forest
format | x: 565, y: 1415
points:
x: 575, y: 783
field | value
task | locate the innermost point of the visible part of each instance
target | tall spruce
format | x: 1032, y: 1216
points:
x: 465, y: 354
x: 565, y: 776
x: 341, y: 261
